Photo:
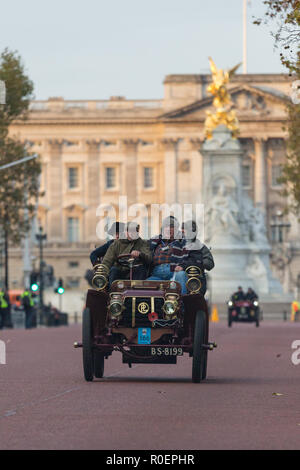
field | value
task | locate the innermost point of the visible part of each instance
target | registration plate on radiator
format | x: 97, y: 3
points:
x: 166, y: 351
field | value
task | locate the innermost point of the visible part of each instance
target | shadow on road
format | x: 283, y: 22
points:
x: 209, y: 381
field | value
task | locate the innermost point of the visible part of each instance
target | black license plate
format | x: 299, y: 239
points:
x: 166, y: 351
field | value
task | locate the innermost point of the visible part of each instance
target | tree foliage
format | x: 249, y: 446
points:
x: 19, y: 184
x: 291, y: 169
x: 19, y: 88
x: 284, y: 17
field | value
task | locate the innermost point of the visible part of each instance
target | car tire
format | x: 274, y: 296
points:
x: 198, y: 369
x: 98, y: 364
x: 204, y: 371
x: 87, y: 351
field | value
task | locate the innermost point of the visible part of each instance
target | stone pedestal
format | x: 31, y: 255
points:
x: 234, y: 229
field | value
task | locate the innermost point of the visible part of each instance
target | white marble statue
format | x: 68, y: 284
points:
x: 222, y: 214
x: 257, y: 270
x: 253, y: 222
x: 259, y: 227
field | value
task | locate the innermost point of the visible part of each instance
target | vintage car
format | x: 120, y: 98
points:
x: 149, y: 322
x: 243, y: 311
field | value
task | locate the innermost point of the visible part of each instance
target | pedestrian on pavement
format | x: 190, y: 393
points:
x: 28, y: 305
x: 7, y: 313
x: 3, y: 309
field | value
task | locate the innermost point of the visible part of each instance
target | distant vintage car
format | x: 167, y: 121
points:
x: 243, y: 311
x: 149, y: 322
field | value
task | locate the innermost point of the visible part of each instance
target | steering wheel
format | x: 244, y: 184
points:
x: 128, y: 260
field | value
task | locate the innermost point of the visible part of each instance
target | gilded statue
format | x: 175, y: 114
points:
x: 222, y: 102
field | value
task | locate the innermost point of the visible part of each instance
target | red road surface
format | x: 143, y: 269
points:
x: 46, y: 404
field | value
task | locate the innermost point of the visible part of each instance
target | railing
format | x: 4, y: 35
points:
x: 72, y: 245
x: 59, y: 104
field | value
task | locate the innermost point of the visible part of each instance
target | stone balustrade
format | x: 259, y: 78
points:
x: 92, y: 105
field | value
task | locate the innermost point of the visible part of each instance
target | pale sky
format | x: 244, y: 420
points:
x: 93, y: 49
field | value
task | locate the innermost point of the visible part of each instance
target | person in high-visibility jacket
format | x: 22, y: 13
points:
x: 295, y: 311
x: 3, y: 309
x: 28, y: 305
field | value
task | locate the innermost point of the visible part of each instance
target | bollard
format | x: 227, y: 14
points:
x: 75, y: 317
x: 284, y: 315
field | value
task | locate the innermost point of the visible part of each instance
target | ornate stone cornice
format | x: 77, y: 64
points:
x: 55, y: 144
x: 169, y: 143
x: 93, y: 144
x: 130, y: 144
x: 196, y: 142
x: 260, y: 139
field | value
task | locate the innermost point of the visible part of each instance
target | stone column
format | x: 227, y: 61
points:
x: 196, y: 170
x: 131, y: 171
x: 55, y: 190
x: 92, y: 189
x: 260, y: 193
x: 171, y: 170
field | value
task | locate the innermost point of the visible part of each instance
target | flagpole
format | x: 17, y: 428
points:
x: 244, y: 36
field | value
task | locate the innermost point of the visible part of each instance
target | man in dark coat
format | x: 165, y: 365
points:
x: 251, y: 295
x: 239, y: 295
x: 116, y: 231
x: 195, y: 253
x: 134, y: 245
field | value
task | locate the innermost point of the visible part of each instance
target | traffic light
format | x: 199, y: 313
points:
x: 34, y: 285
x: 60, y: 287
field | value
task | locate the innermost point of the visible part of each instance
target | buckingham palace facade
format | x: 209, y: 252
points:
x: 94, y: 151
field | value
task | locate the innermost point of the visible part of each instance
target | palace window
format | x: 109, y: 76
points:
x: 148, y: 177
x: 246, y: 176
x: 73, y: 264
x: 73, y: 177
x: 276, y: 173
x: 73, y: 282
x: 73, y: 229
x: 110, y: 177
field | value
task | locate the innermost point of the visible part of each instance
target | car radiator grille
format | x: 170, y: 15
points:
x: 137, y: 318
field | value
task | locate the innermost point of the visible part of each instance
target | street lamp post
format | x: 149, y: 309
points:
x: 281, y: 252
x: 40, y: 238
x: 2, y: 92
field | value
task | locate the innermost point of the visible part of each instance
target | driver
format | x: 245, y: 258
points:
x: 133, y: 244
x: 239, y: 295
x: 116, y: 231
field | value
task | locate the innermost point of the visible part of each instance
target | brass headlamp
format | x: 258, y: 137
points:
x: 193, y: 283
x: 116, y: 305
x: 170, y: 306
x: 116, y: 308
x: 100, y: 278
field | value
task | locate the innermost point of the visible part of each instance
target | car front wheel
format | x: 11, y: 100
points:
x: 98, y: 364
x: 198, y: 370
x: 87, y: 351
x: 257, y: 319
